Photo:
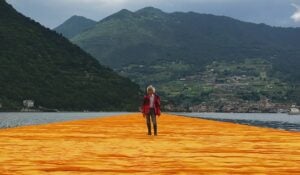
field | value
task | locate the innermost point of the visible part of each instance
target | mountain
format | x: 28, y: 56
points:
x: 182, y: 52
x: 40, y: 65
x: 74, y: 26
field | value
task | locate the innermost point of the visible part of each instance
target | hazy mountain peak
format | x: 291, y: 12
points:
x: 75, y: 25
x: 122, y: 14
x: 125, y: 11
x: 149, y: 11
x: 76, y: 17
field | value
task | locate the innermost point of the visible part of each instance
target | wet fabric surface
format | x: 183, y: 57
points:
x: 120, y: 145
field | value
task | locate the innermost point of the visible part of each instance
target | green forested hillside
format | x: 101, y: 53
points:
x: 40, y: 65
x: 150, y: 34
x: 166, y: 49
x: 74, y: 26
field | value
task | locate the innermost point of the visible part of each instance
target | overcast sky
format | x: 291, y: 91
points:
x: 51, y: 13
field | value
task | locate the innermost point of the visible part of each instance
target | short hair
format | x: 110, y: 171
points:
x: 151, y: 87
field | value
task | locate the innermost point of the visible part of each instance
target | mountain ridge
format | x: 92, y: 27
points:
x: 220, y: 19
x: 180, y: 45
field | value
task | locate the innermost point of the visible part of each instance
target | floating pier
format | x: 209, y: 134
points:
x: 120, y: 145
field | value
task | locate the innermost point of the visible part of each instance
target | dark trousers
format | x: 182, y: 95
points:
x: 153, y: 119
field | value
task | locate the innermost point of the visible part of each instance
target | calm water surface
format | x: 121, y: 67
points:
x: 276, y: 120
x: 14, y: 119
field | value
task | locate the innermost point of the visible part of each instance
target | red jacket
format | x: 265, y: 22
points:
x: 146, y: 104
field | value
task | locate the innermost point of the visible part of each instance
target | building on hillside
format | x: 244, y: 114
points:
x: 28, y: 103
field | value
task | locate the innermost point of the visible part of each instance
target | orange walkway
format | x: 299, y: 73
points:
x: 119, y: 145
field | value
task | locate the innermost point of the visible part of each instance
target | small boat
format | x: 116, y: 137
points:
x: 294, y: 110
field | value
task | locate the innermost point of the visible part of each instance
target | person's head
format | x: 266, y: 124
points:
x: 150, y: 90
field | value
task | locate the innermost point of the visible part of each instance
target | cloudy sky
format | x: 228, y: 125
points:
x: 53, y: 12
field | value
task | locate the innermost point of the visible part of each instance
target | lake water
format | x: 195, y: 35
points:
x: 14, y: 119
x: 276, y: 120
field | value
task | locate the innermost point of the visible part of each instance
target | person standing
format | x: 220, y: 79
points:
x: 151, y: 109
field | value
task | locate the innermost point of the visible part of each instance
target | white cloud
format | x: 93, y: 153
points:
x: 296, y: 15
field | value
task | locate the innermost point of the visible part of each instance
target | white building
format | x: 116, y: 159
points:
x: 28, y: 103
x: 294, y: 110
